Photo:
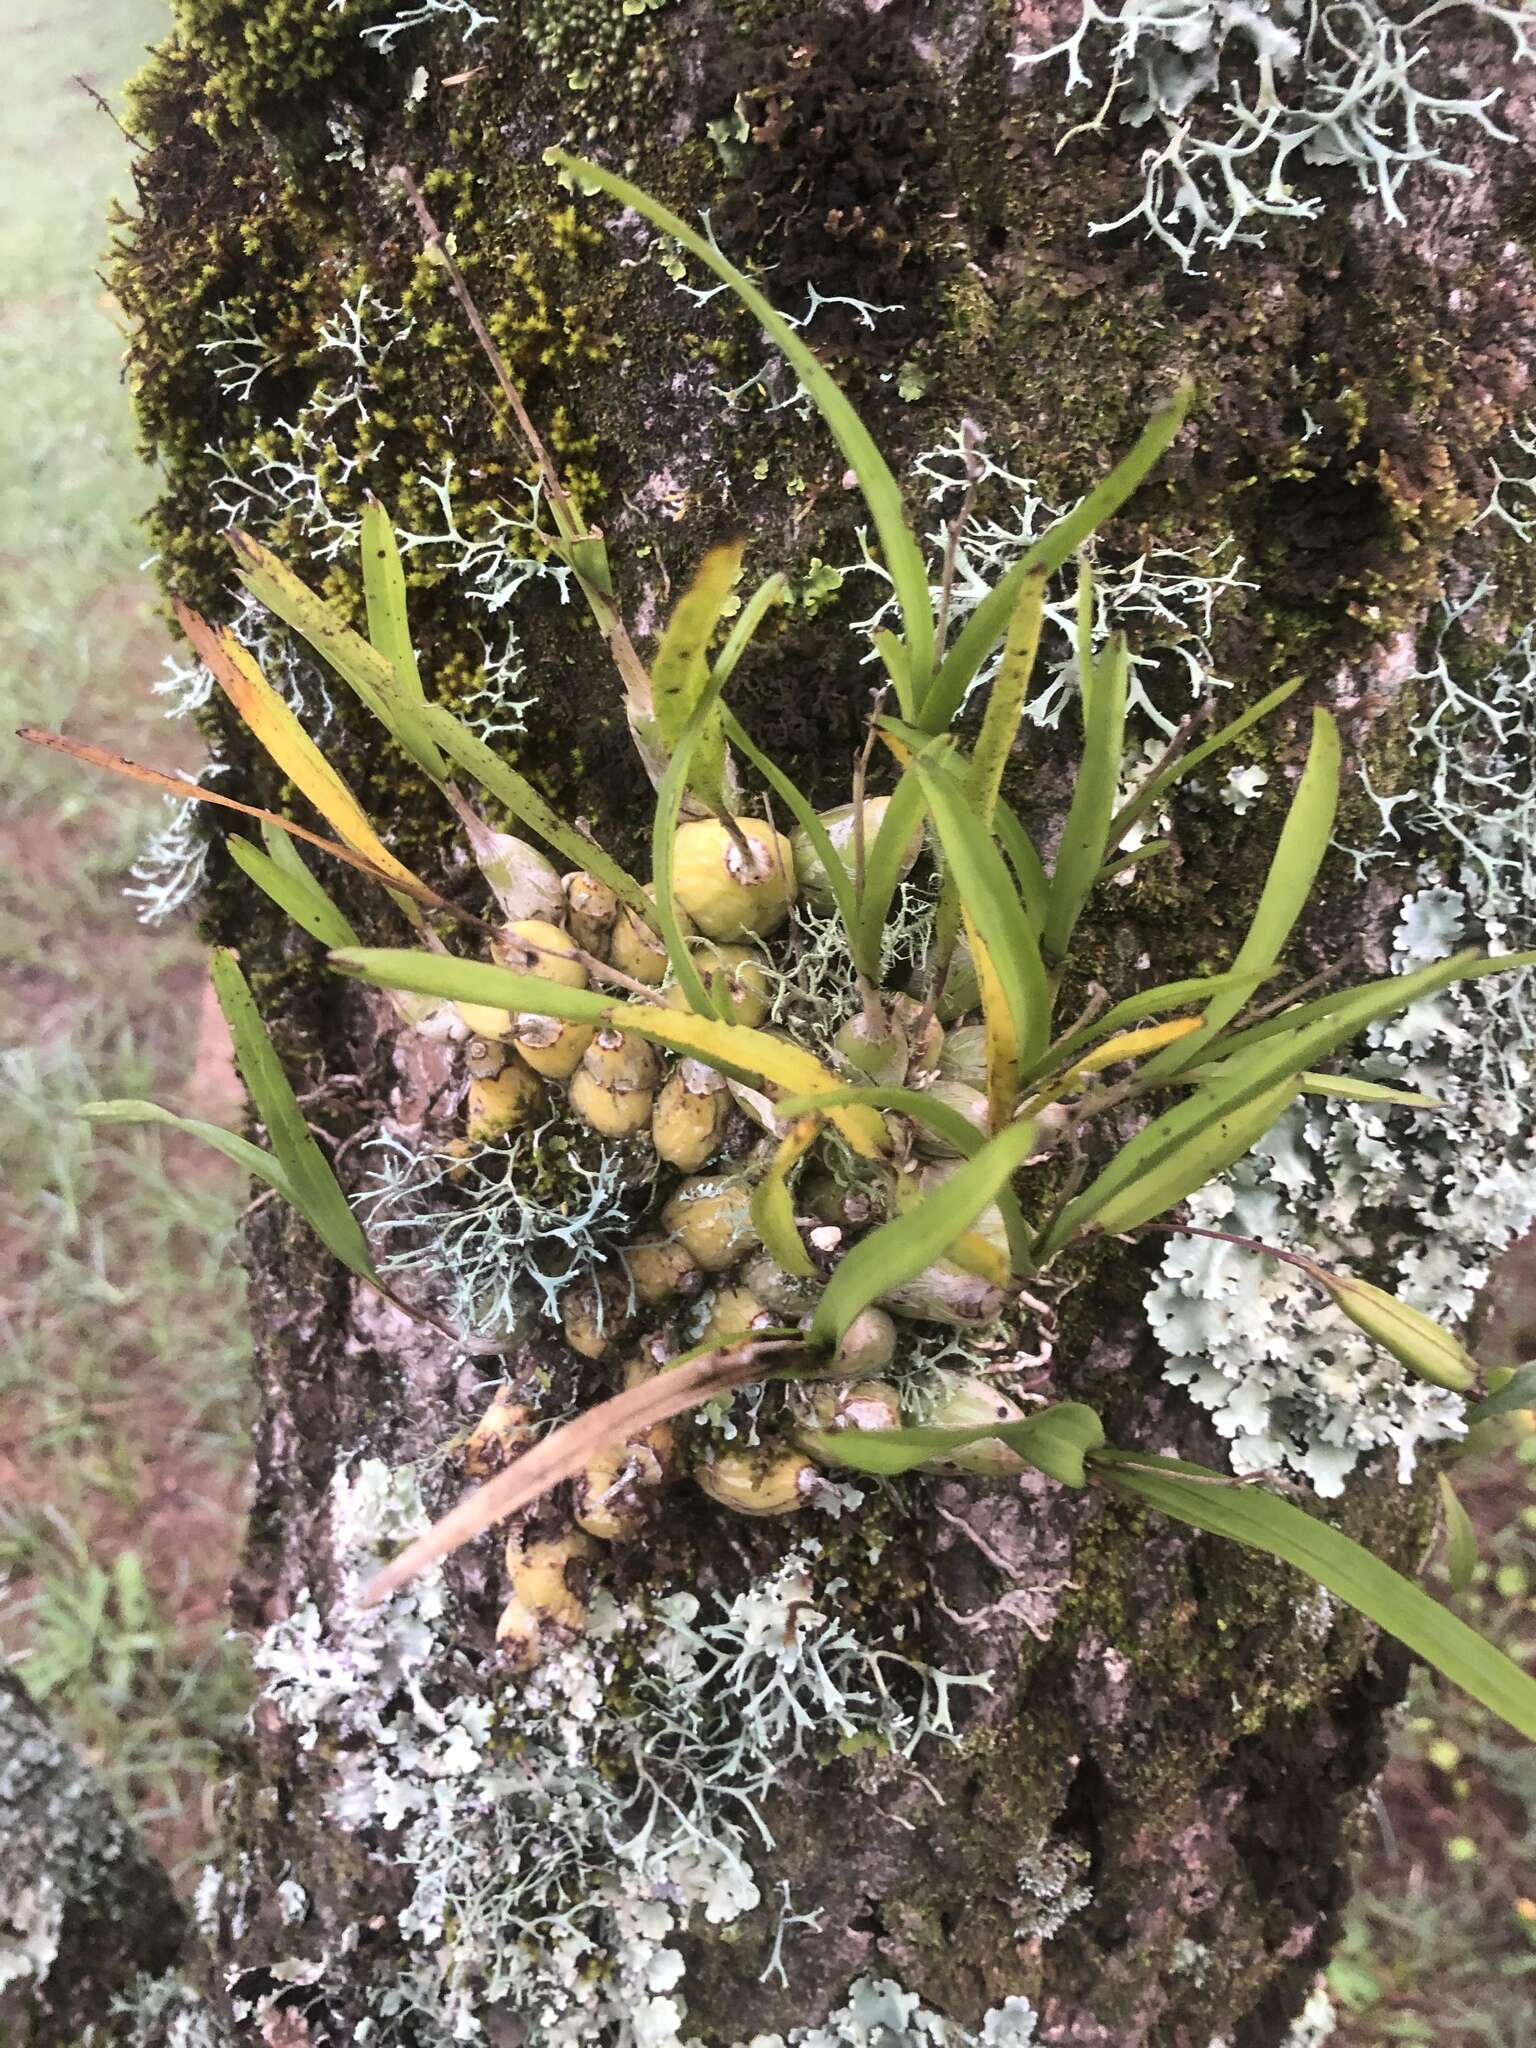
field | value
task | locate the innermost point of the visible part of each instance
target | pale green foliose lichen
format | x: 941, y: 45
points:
x: 560, y: 1832
x: 880, y: 2014
x: 1429, y: 1197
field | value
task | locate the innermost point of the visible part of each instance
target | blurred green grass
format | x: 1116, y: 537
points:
x: 124, y: 1361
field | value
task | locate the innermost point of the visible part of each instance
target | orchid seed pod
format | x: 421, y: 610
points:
x: 738, y: 972
x: 971, y: 1104
x: 968, y: 1402
x: 485, y: 1021
x: 619, y: 1060
x: 590, y: 910
x: 502, y: 1102
x: 689, y: 1119
x: 878, y: 1055
x: 1415, y: 1340
x: 839, y: 823
x: 634, y: 949
x: 531, y: 945
x: 502, y: 1434
x: 523, y: 882
x: 733, y: 887
x: 785, y: 1293
x: 944, y: 1293
x: 752, y: 1483
x: 552, y: 1046
x: 663, y: 1269
x: 713, y: 1220
x: 611, y: 1112
x: 595, y: 1313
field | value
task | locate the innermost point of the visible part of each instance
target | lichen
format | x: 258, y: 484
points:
x: 557, y: 1833
x: 1428, y: 1197
x: 880, y: 2014
x: 1237, y: 92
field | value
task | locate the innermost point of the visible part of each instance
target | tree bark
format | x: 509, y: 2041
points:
x: 1144, y: 1826
x: 84, y: 1912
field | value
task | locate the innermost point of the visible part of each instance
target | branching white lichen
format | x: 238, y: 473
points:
x: 1432, y: 1196
x: 1243, y: 92
x: 383, y: 35
x: 1166, y: 600
x: 478, y: 1227
x: 557, y: 1835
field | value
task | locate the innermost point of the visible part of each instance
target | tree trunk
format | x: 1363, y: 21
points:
x: 1139, y: 1820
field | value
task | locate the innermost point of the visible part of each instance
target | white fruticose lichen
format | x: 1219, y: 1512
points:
x: 1165, y: 600
x: 383, y: 35
x: 559, y: 1834
x: 477, y: 1228
x: 1424, y: 1198
x: 1242, y: 93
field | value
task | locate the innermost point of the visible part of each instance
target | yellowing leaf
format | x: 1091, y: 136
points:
x: 773, y: 1215
x: 1002, y: 1038
x: 1130, y: 1045
x: 289, y: 745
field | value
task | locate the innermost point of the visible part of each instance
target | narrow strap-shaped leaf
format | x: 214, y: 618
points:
x: 746, y: 1054
x: 909, y: 1244
x: 1460, y: 1537
x: 1352, y: 1088
x: 1007, y: 697
x: 680, y: 667
x: 1518, y: 1393
x: 757, y: 607
x: 1298, y: 855
x: 772, y: 1211
x: 1261, y: 1521
x: 1056, y: 1441
x: 1347, y: 1012
x: 884, y: 864
x: 988, y: 622
x: 1168, y: 995
x: 316, y: 1189
x: 799, y: 805
x: 1201, y: 1136
x: 1086, y: 832
x: 703, y: 722
x: 898, y: 666
x: 366, y: 671
x: 503, y: 781
x: 248, y: 1157
x: 1168, y: 772
x: 389, y: 630
x: 275, y: 727
x: 299, y: 895
x: 1028, y: 868
x: 898, y: 543
x: 947, y: 1123
x: 990, y: 901
x: 999, y: 1032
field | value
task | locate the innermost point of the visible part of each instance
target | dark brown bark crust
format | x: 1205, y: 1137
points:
x: 1180, y: 1718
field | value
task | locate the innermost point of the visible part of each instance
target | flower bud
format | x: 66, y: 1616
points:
x: 733, y: 890
x: 522, y: 880
x: 1413, y: 1339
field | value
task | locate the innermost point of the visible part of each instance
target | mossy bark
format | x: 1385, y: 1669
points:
x: 1175, y: 1716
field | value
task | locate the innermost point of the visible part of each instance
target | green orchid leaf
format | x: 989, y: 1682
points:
x: 291, y: 886
x: 1261, y: 1521
x: 1057, y: 1442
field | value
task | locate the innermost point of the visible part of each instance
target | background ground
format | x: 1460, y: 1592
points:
x: 122, y: 1350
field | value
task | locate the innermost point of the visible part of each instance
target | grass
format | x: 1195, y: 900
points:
x: 123, y: 1352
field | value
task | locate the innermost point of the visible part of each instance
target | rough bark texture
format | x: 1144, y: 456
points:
x: 83, y: 1910
x: 1169, y: 1715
